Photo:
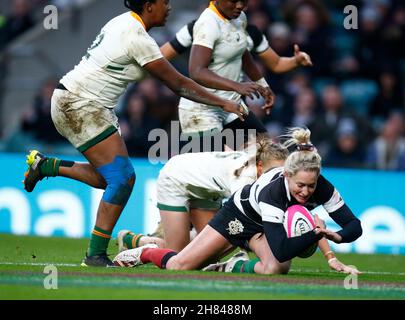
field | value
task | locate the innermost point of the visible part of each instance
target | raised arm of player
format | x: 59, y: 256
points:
x: 278, y: 64
x: 189, y: 89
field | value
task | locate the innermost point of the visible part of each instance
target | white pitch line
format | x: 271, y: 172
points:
x: 363, y: 272
x: 39, y: 264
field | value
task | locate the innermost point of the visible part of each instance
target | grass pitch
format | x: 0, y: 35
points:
x: 23, y: 259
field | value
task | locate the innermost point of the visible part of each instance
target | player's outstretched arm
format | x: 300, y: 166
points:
x: 187, y: 88
x: 278, y: 64
x: 333, y: 261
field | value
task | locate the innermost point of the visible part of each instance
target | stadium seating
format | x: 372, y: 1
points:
x: 358, y: 93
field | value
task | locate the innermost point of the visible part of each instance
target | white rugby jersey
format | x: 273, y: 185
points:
x: 269, y: 197
x: 207, y: 174
x: 114, y: 60
x: 228, y: 40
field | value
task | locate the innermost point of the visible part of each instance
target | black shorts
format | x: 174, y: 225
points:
x: 234, y: 225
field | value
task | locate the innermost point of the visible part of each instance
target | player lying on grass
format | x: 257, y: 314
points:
x: 252, y: 219
x: 192, y: 186
x: 189, y: 193
x: 83, y: 112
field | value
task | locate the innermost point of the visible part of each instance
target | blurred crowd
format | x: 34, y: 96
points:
x: 352, y: 99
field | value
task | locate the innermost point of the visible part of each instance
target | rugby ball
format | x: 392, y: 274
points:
x: 297, y: 221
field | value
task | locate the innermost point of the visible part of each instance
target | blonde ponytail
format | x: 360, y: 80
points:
x: 306, y: 157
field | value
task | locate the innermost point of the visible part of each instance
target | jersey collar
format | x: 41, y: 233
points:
x: 287, y: 189
x: 137, y: 17
x: 214, y: 8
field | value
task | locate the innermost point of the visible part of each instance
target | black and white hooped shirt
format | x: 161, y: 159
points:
x: 268, y: 198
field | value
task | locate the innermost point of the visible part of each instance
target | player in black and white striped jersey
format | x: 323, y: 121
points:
x: 253, y: 219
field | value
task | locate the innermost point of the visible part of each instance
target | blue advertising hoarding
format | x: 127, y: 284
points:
x: 63, y: 207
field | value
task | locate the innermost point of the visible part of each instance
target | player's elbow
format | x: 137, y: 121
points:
x: 358, y: 230
x: 352, y: 231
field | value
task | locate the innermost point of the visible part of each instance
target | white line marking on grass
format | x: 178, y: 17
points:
x: 316, y: 271
x: 6, y: 263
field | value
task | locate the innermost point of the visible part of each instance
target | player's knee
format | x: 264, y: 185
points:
x: 120, y: 178
x: 181, y: 263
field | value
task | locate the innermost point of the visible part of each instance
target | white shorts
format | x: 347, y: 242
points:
x: 82, y: 121
x: 174, y: 196
x: 198, y: 118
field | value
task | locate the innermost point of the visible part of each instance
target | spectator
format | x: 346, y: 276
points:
x: 260, y: 20
x: 332, y: 111
x: 389, y: 97
x: 136, y: 124
x: 280, y: 41
x: 304, y: 110
x: 312, y: 32
x: 36, y: 119
x: 387, y: 152
x: 370, y: 51
x: 346, y: 151
x: 36, y: 127
x: 17, y: 22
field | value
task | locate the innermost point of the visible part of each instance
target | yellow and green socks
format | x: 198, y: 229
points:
x: 99, y: 242
x: 50, y: 167
x: 131, y: 240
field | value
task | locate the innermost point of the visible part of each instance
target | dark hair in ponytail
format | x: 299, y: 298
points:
x: 136, y: 5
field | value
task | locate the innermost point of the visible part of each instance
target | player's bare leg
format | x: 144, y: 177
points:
x: 41, y: 166
x: 110, y: 158
x: 176, y: 226
x: 266, y: 262
x: 207, y: 246
x: 83, y: 172
x: 200, y: 218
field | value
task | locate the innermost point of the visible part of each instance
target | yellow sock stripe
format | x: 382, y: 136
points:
x: 98, y: 233
x: 135, y: 240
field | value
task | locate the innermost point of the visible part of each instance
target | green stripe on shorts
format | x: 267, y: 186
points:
x: 115, y: 68
x: 205, y: 204
x: 102, y: 136
x: 172, y: 208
